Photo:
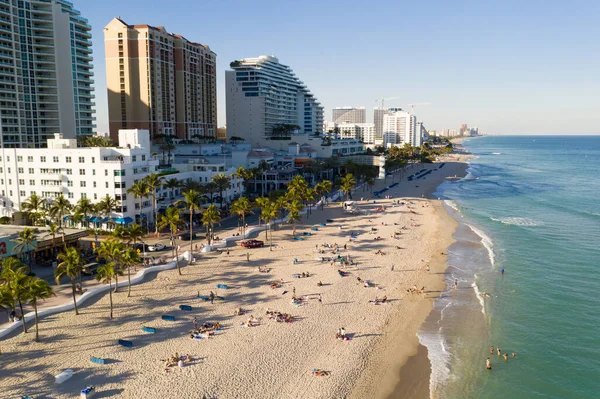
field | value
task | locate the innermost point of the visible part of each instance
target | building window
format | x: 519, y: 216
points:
x: 120, y: 184
x: 105, y: 172
x: 19, y: 158
x: 143, y: 157
x: 82, y: 172
x: 31, y: 171
x: 93, y: 159
x: 30, y: 159
x: 69, y: 171
x: 68, y: 159
x: 22, y: 193
x: 21, y: 170
x: 133, y: 158
x: 32, y: 182
x: 95, y: 196
x: 69, y: 183
x: 55, y: 159
x: 70, y: 195
x: 83, y: 195
x: 22, y: 182
x: 81, y: 159
x: 94, y: 184
x: 106, y: 184
x: 93, y: 172
x: 82, y: 184
x: 42, y: 159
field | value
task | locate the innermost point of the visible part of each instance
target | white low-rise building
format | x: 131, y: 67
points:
x: 364, y: 132
x: 63, y: 168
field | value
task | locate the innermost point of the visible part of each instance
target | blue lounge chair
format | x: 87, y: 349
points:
x: 167, y: 317
x: 97, y: 360
x: 185, y: 307
x: 126, y: 343
x: 222, y: 286
x: 149, y: 329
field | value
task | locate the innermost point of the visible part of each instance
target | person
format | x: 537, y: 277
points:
x: 188, y: 358
x: 319, y: 284
x: 180, y: 363
x: 492, y: 350
x: 514, y: 354
x: 384, y: 299
x: 12, y: 315
x: 345, y: 246
x: 195, y: 323
x: 499, y: 353
x: 392, y: 267
x: 78, y: 288
x: 505, y: 357
x: 502, y: 270
x: 455, y: 283
x: 488, y: 364
x: 212, y: 297
x: 320, y: 299
x: 248, y: 256
x: 227, y: 252
x: 427, y: 268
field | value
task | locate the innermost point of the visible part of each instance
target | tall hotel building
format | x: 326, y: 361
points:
x: 262, y: 94
x: 159, y: 81
x: 45, y: 72
x: 349, y: 115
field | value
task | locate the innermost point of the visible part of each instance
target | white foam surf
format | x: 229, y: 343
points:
x: 452, y: 205
x: 496, y: 153
x: 439, y: 358
x: 487, y: 243
x: 479, y: 296
x: 517, y: 221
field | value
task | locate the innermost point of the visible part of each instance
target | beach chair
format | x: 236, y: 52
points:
x: 185, y: 307
x: 329, y: 220
x: 96, y: 360
x: 306, y: 233
x: 167, y: 317
x: 126, y: 343
x: 322, y: 224
x: 87, y: 393
x: 222, y: 286
x: 151, y: 330
x: 298, y: 238
x: 203, y: 297
x: 314, y: 228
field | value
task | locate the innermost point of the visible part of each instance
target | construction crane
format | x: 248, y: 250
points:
x: 412, y: 106
x: 382, y: 101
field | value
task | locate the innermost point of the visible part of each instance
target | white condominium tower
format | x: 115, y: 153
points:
x: 400, y: 127
x: 45, y: 72
x: 349, y: 115
x: 265, y: 100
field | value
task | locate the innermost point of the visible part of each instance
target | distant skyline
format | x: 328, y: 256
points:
x: 509, y: 68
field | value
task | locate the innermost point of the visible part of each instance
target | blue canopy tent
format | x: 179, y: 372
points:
x: 96, y: 219
x: 123, y: 221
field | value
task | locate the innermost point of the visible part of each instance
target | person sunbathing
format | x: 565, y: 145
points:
x: 384, y: 299
x: 319, y: 373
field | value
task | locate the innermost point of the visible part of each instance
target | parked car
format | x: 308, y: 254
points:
x: 186, y: 236
x: 90, y: 269
x: 252, y: 244
x: 156, y: 247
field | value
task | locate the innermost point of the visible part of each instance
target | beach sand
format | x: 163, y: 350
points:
x: 271, y: 360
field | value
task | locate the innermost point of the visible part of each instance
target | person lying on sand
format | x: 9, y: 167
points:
x: 320, y: 373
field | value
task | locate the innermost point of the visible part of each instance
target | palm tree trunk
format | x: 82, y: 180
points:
x: 271, y: 239
x: 191, y: 231
x: 37, y: 335
x: 244, y: 225
x: 116, y: 282
x: 129, y: 281
x: 22, y: 317
x: 154, y: 213
x: 74, y: 301
x: 177, y: 261
x: 110, y: 299
x: 294, y: 233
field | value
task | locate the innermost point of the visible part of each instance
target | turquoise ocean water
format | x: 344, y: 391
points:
x: 531, y: 206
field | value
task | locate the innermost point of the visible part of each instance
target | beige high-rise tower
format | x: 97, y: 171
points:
x: 159, y: 81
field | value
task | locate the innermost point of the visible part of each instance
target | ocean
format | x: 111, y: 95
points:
x: 529, y: 205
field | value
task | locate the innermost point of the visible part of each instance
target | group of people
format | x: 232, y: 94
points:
x: 263, y: 269
x: 415, y: 290
x: 378, y: 301
x: 379, y: 252
x: 301, y: 275
x: 176, y: 360
x: 341, y: 334
x: 280, y: 317
x: 488, y: 362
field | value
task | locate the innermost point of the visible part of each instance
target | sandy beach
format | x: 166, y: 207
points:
x: 272, y: 359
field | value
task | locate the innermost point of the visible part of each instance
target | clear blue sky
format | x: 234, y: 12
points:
x: 511, y: 67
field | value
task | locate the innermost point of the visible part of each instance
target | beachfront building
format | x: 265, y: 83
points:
x: 364, y: 132
x: 267, y: 103
x: 76, y: 173
x: 400, y: 127
x: 349, y: 115
x: 159, y: 81
x: 45, y: 72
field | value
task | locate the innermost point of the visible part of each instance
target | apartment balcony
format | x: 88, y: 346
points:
x: 37, y: 34
x: 44, y: 44
x: 85, y: 57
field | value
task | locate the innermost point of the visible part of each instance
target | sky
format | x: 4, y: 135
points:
x: 508, y: 67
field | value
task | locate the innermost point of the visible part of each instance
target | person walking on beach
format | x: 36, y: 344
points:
x: 392, y: 267
x: 320, y: 299
x: 195, y: 323
x: 212, y: 297
x: 455, y: 283
x: 248, y: 256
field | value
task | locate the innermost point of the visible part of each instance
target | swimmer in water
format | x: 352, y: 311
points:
x: 514, y: 354
x: 488, y: 364
x: 492, y: 350
x: 502, y: 270
x: 499, y: 353
x: 505, y: 357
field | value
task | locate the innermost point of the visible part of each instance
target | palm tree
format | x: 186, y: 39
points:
x: 241, y: 207
x: 105, y: 274
x: 370, y: 182
x: 268, y: 214
x: 244, y: 175
x: 190, y: 184
x: 154, y: 181
x: 26, y: 242
x: 222, y: 183
x: 34, y: 207
x: 191, y: 200
x: 211, y: 217
x: 172, y: 220
x: 130, y: 258
x: 71, y: 266
x: 309, y: 197
x: 134, y: 233
x: 60, y: 207
x: 7, y: 301
x: 111, y: 250
x: 38, y: 289
x: 325, y: 187
x: 172, y: 184
x: 210, y: 188
x: 167, y: 148
x: 294, y: 216
x: 85, y: 207
x: 107, y: 205
x: 348, y: 183
x: 139, y: 190
x: 53, y: 230
x: 15, y: 278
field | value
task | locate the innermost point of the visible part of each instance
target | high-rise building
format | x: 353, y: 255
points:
x: 265, y: 100
x: 349, y: 115
x: 400, y: 127
x: 45, y: 72
x: 378, y: 114
x: 159, y: 81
